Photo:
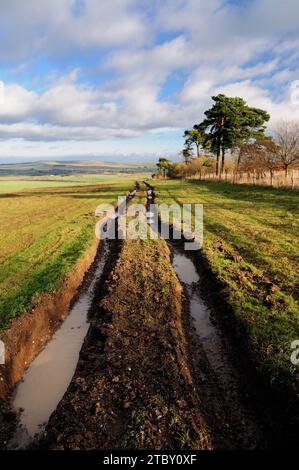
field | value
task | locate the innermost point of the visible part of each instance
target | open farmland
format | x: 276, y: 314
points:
x: 43, y: 233
x: 251, y: 239
x: 22, y: 183
x: 45, y: 168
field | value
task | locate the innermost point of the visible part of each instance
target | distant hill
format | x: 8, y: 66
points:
x: 46, y: 168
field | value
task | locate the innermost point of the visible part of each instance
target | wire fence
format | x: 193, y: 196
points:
x: 277, y: 180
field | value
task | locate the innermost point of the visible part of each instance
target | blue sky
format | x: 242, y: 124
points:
x: 122, y: 79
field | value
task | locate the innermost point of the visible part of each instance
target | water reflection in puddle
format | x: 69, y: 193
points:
x: 49, y: 375
x: 204, y: 323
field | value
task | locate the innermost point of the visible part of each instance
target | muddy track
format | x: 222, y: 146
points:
x: 16, y: 426
x: 240, y: 408
x: 87, y: 363
x: 132, y: 387
x: 147, y: 380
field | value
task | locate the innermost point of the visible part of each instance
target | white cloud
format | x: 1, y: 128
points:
x: 16, y: 102
x: 261, y: 98
x: 213, y: 46
x: 48, y: 132
x: 32, y: 27
x: 66, y: 107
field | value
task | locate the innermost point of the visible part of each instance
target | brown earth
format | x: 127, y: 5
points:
x: 132, y: 387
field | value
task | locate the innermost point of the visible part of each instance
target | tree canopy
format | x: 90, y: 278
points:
x: 195, y: 137
x: 163, y: 164
x: 227, y: 124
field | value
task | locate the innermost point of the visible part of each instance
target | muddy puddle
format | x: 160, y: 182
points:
x: 242, y: 419
x: 49, y: 375
x: 205, y: 324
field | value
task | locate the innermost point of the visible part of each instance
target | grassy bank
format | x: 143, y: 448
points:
x: 251, y: 239
x: 43, y: 234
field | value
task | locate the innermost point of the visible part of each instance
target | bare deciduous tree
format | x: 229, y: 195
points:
x: 259, y: 156
x: 286, y: 136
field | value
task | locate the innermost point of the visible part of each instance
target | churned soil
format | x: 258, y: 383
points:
x: 132, y: 387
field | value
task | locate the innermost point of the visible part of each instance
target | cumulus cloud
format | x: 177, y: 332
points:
x: 70, y: 110
x: 163, y: 60
x: 53, y: 27
x: 16, y: 102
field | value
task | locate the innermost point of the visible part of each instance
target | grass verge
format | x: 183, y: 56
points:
x: 251, y: 239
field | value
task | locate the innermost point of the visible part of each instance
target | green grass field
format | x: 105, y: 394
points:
x: 251, y: 240
x: 43, y: 234
x: 9, y: 184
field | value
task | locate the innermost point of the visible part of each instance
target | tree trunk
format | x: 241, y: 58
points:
x: 197, y: 150
x: 222, y: 160
x: 239, y: 158
x: 236, y: 170
x: 217, y: 162
x: 218, y: 154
